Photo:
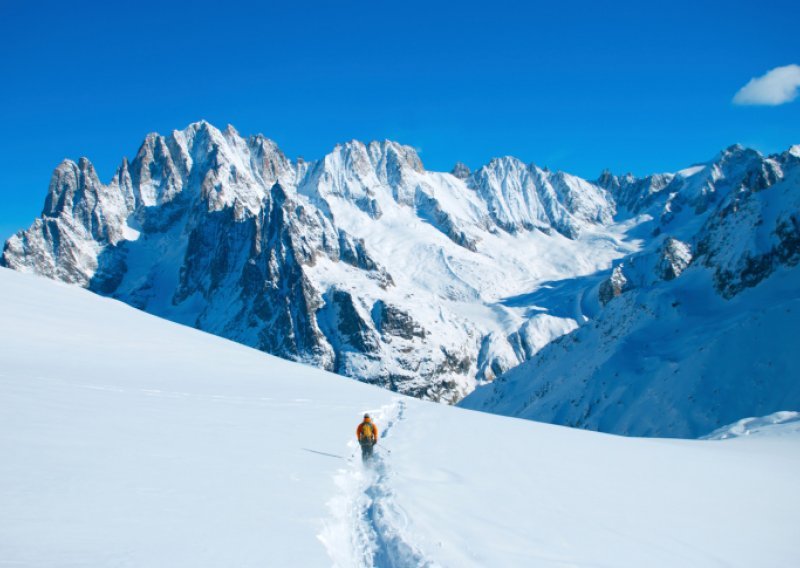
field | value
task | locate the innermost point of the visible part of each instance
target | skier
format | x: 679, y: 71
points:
x: 367, y: 434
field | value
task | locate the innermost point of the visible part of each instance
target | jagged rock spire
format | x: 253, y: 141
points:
x: 460, y: 170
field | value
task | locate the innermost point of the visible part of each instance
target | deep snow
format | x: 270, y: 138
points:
x: 132, y: 441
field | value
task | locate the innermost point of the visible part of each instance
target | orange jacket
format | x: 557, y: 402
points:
x: 360, y: 429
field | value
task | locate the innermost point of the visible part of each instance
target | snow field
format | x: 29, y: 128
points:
x: 133, y: 441
x: 485, y: 490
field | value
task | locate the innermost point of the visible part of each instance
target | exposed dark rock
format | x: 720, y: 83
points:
x: 675, y: 258
x: 460, y: 170
x: 346, y: 329
x: 614, y: 286
x: 390, y: 320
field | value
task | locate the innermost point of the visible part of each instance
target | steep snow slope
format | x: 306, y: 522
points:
x: 129, y: 440
x: 678, y: 361
x: 698, y: 328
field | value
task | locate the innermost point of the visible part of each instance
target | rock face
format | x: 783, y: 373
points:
x: 634, y: 195
x: 675, y: 258
x: 361, y: 262
x: 697, y: 335
x: 524, y: 197
x: 614, y: 286
x: 461, y: 171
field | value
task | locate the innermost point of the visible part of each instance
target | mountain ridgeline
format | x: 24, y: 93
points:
x: 427, y: 283
x: 697, y: 328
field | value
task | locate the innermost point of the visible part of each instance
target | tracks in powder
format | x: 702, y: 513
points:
x: 368, y: 528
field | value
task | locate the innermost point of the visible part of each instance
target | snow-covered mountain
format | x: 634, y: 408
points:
x: 128, y: 440
x: 362, y: 262
x: 698, y: 329
x: 428, y: 283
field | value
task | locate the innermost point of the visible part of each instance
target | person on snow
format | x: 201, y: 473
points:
x: 367, y: 434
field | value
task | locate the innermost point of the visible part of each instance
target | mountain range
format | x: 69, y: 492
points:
x: 698, y: 328
x: 558, y: 298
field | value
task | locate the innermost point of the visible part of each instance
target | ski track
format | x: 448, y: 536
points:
x: 368, y: 529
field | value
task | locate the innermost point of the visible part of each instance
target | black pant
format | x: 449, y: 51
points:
x: 366, y: 448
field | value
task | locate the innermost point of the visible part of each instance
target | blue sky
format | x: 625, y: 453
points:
x: 578, y: 86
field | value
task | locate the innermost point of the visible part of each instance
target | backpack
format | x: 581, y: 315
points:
x: 366, y: 431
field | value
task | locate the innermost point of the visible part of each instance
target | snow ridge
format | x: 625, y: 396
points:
x: 777, y: 423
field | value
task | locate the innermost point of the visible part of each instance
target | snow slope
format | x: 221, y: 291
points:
x: 132, y: 441
x: 778, y: 422
x: 655, y: 365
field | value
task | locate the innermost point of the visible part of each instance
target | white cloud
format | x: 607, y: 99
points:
x: 775, y: 87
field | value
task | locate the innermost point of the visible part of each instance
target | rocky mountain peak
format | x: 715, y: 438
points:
x: 524, y: 197
x: 461, y: 171
x: 391, y: 154
x: 675, y: 258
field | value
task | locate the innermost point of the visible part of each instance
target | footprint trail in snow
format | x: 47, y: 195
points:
x: 368, y: 528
